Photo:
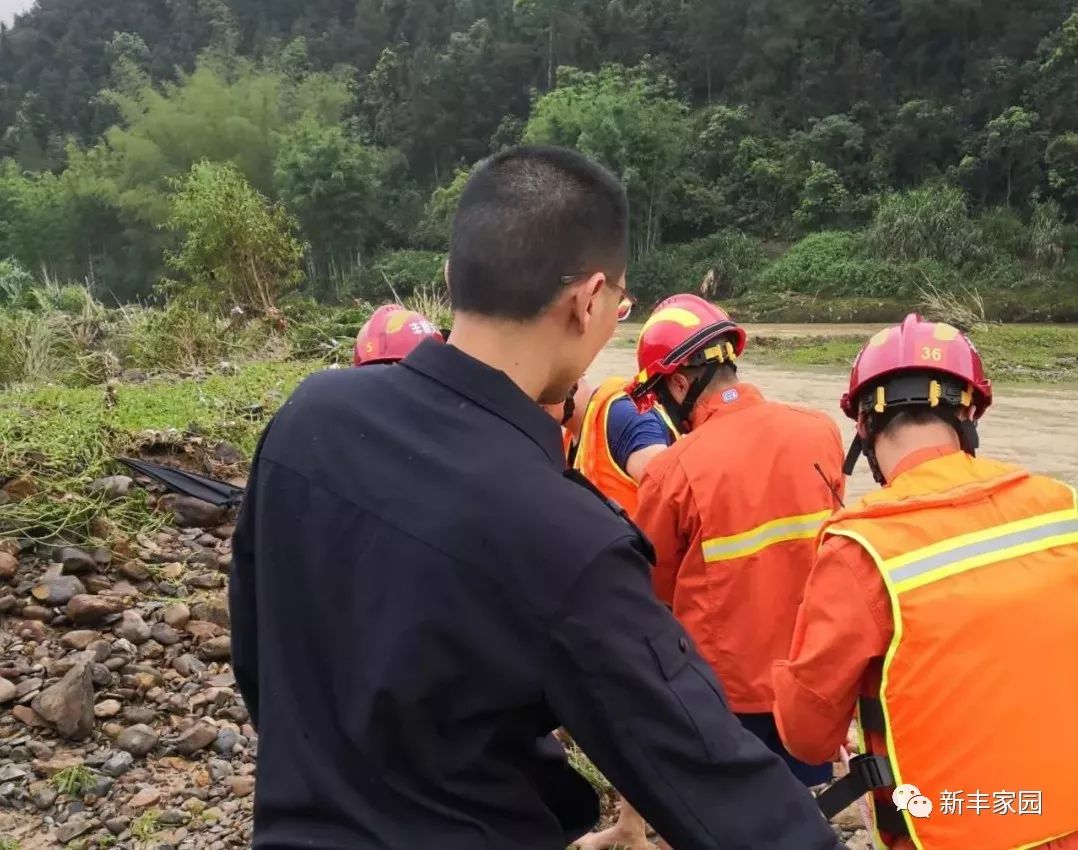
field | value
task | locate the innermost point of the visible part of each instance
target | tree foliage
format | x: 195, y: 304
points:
x: 631, y: 121
x: 774, y: 118
x: 235, y: 242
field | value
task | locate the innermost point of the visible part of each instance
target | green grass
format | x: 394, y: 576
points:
x: 145, y: 826
x: 9, y: 844
x: 74, y: 782
x: 1046, y: 354
x: 64, y: 438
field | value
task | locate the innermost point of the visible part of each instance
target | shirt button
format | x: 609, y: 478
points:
x: 683, y: 644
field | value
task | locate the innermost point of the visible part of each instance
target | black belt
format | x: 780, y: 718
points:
x: 868, y: 773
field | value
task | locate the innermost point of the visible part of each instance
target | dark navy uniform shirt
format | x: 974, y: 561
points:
x: 420, y: 596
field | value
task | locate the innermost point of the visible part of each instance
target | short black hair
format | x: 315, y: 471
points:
x: 527, y: 218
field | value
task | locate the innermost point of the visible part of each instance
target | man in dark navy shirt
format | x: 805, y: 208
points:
x: 420, y: 595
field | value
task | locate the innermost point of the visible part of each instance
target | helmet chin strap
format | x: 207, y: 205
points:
x: 569, y: 407
x: 681, y: 412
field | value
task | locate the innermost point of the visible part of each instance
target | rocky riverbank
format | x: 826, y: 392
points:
x: 120, y: 721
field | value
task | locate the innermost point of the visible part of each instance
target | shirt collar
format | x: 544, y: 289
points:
x: 723, y: 402
x: 919, y: 456
x: 489, y: 388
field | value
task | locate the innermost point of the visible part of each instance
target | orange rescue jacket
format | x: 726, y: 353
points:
x: 593, y: 458
x: 733, y: 509
x: 980, y: 562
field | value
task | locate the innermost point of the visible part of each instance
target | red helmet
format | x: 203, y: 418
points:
x: 390, y: 334
x: 684, y: 330
x: 920, y: 348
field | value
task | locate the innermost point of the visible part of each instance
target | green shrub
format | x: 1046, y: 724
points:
x: 824, y: 199
x: 1047, y: 235
x: 326, y: 335
x: 930, y: 222
x: 1003, y: 232
x: 834, y: 263
x: 732, y: 257
x: 179, y: 338
x: 16, y: 283
x: 397, y: 274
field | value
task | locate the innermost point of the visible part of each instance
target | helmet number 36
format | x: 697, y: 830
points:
x: 930, y: 353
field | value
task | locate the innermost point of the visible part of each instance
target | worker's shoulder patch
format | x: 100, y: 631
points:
x: 731, y: 395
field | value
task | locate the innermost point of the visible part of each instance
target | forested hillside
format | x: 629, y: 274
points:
x: 895, y: 144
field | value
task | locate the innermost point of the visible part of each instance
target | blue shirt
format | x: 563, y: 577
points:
x: 628, y: 431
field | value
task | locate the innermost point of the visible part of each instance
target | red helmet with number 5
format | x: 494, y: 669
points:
x: 684, y: 330
x: 918, y: 349
x: 390, y: 334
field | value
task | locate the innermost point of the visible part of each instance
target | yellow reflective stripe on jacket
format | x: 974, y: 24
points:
x: 979, y: 549
x: 779, y: 530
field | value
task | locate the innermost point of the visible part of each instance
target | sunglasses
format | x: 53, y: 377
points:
x: 625, y: 305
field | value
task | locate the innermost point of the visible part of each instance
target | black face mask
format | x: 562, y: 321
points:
x: 570, y: 405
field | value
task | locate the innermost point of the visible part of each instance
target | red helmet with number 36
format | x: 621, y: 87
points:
x: 390, y: 334
x: 684, y: 330
x: 919, y: 347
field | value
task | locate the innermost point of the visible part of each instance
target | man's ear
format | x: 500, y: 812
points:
x: 678, y: 384
x: 582, y: 299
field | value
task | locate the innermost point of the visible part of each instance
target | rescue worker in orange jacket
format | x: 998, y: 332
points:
x: 943, y: 610
x: 390, y: 334
x: 608, y: 440
x: 733, y: 507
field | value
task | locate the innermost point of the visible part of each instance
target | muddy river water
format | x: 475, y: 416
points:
x: 1036, y: 426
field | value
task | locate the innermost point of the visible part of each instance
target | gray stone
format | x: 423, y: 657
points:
x: 227, y: 453
x: 76, y: 562
x: 80, y: 639
x: 220, y: 769
x: 108, y: 708
x: 85, y: 610
x: 68, y: 706
x: 187, y: 665
x: 198, y: 737
x: 113, y: 486
x: 75, y: 826
x: 101, y: 787
x: 135, y: 571
x: 29, y: 686
x: 173, y: 817
x: 117, y: 763
x: 139, y: 714
x: 213, y: 611
x: 101, y: 675
x: 137, y: 740
x: 58, y: 590
x: 37, y: 612
x: 117, y: 825
x: 194, y: 513
x: 8, y: 691
x: 207, y: 581
x: 164, y: 634
x: 43, y: 795
x: 226, y: 742
x: 176, y: 615
x: 216, y: 649
x: 10, y: 772
x: 203, y: 558
x: 133, y: 628
x: 9, y: 566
